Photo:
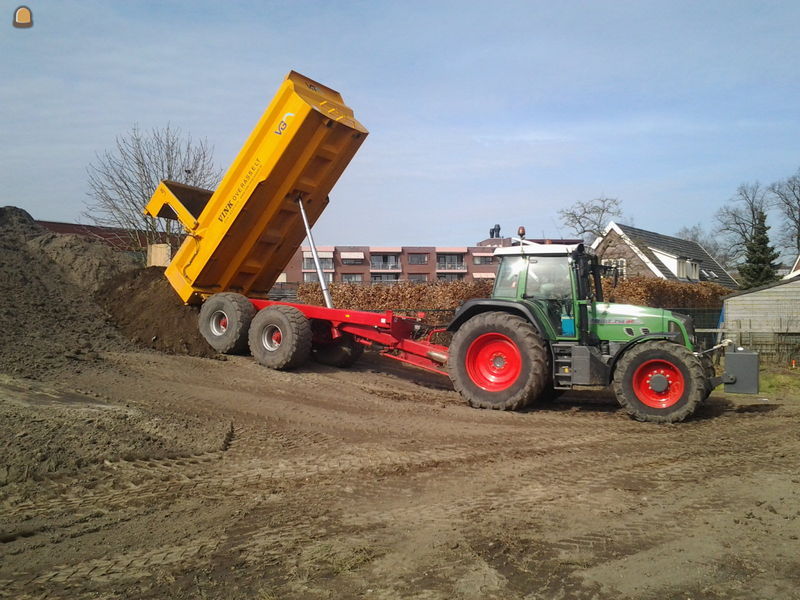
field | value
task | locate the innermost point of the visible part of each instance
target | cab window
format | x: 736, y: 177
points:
x: 508, y: 276
x: 548, y: 281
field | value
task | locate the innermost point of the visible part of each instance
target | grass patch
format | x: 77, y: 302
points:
x: 780, y: 382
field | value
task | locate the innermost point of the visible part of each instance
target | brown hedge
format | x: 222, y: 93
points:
x: 663, y: 293
x: 441, y: 296
x: 447, y: 295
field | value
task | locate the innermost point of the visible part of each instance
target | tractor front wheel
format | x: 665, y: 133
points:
x: 280, y: 337
x: 497, y: 360
x: 659, y: 381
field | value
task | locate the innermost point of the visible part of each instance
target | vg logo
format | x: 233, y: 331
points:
x: 284, y: 123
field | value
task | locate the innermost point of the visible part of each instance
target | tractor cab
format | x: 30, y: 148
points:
x: 546, y: 278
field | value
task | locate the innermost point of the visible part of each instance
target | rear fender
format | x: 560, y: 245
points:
x: 470, y: 308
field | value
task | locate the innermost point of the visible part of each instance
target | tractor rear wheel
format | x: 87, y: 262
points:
x: 224, y: 322
x: 280, y: 337
x: 344, y: 351
x: 660, y: 382
x: 498, y: 360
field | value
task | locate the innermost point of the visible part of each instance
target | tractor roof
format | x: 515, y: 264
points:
x: 528, y: 248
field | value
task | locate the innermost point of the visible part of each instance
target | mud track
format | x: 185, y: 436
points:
x: 378, y: 482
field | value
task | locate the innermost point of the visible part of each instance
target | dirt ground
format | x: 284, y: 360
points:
x: 206, y: 478
x: 127, y: 472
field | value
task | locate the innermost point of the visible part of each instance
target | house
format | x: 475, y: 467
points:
x: 795, y: 270
x: 766, y: 318
x: 637, y: 252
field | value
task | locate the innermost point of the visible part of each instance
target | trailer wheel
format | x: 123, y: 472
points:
x: 280, y: 337
x: 498, y: 361
x: 344, y: 351
x: 224, y: 321
x: 660, y: 382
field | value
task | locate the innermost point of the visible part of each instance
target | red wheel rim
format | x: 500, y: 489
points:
x: 493, y: 362
x: 642, y: 386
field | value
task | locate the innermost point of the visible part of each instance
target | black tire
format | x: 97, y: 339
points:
x: 709, y: 371
x: 343, y: 352
x: 280, y: 337
x: 224, y: 322
x: 498, y: 361
x: 669, y: 366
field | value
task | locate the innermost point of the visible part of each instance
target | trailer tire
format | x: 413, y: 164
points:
x: 224, y: 322
x: 498, y: 360
x: 343, y: 352
x: 280, y: 337
x: 660, y: 382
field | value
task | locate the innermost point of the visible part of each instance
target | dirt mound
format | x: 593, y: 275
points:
x: 147, y: 310
x: 87, y: 263
x: 49, y: 323
x: 16, y: 224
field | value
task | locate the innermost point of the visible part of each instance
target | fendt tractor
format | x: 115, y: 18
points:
x: 545, y: 329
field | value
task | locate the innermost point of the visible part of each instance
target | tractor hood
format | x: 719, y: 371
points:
x: 620, y: 322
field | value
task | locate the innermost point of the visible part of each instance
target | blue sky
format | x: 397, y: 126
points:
x: 479, y: 113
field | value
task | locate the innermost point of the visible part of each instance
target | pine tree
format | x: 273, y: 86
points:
x: 759, y: 267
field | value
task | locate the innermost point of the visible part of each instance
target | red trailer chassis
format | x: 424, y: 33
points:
x: 391, y: 334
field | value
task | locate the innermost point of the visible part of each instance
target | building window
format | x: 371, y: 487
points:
x: 450, y: 262
x: 352, y: 261
x: 620, y: 263
x: 352, y: 278
x: 325, y: 263
x: 418, y: 259
x: 385, y: 278
x: 449, y: 276
x: 418, y: 277
x: 389, y: 262
x: 312, y: 277
x: 483, y: 260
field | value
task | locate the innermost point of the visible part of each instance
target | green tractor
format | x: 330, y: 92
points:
x: 546, y: 329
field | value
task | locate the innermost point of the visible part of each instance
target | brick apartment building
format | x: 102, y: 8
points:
x: 389, y: 264
x: 354, y: 264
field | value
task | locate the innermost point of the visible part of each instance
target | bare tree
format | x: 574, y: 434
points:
x: 122, y: 180
x: 710, y: 241
x: 738, y: 219
x: 786, y: 195
x: 588, y: 219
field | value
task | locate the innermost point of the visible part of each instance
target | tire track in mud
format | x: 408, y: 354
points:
x: 573, y: 476
x: 283, y: 463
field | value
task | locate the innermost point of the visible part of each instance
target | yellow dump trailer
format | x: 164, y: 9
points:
x: 241, y: 236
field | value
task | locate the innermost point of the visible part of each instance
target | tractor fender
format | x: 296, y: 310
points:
x: 473, y: 307
x: 664, y: 335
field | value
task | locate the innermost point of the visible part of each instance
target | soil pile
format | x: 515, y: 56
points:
x: 88, y: 264
x: 49, y: 323
x: 146, y: 309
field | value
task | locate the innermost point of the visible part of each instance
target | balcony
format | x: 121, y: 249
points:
x: 382, y: 266
x: 451, y: 266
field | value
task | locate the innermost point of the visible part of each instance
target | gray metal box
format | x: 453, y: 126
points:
x: 743, y: 365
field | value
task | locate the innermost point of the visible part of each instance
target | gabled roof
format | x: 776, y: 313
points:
x: 644, y: 243
x: 795, y: 269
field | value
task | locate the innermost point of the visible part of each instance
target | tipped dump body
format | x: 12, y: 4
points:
x: 242, y: 235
